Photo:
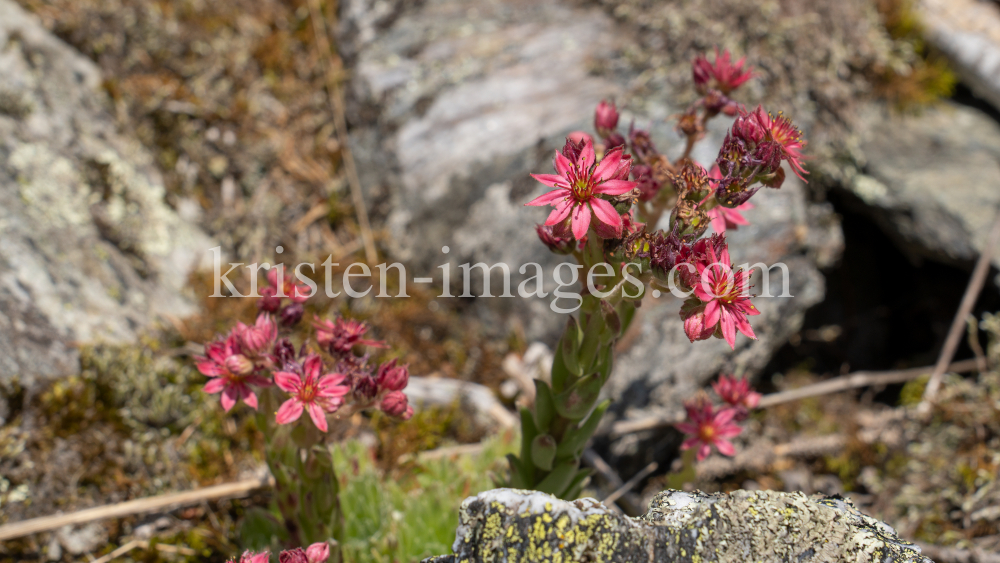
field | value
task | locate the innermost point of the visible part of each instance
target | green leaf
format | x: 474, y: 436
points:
x: 591, y: 342
x: 575, y: 402
x: 543, y: 451
x: 559, y: 479
x: 611, y: 318
x: 260, y: 529
x: 626, y: 312
x: 569, y: 345
x: 605, y: 362
x: 528, y: 433
x: 575, y: 439
x: 545, y: 408
x: 517, y: 480
x: 576, y: 486
x: 561, y: 374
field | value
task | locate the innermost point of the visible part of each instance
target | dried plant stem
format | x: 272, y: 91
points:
x: 835, y: 385
x: 336, y: 99
x: 631, y: 483
x: 976, y: 282
x: 129, y: 508
x: 145, y: 545
x: 628, y: 501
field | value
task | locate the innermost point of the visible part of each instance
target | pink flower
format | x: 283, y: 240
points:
x: 706, y: 428
x: 231, y: 373
x: 578, y: 184
x: 722, y: 74
x: 318, y: 552
x: 317, y: 394
x: 258, y: 338
x: 395, y: 403
x: 781, y: 130
x: 606, y: 118
x: 341, y: 336
x: 724, y: 291
x: 285, y: 287
x: 251, y: 557
x: 737, y: 393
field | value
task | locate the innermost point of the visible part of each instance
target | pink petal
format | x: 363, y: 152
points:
x: 214, y: 385
x: 605, y: 213
x: 259, y: 381
x: 550, y: 198
x: 725, y: 447
x: 552, y: 180
x: 608, y: 165
x: 615, y: 187
x: 728, y: 431
x: 229, y: 397
x: 687, y: 427
x: 211, y: 369
x: 272, y: 276
x: 728, y: 328
x: 713, y: 312
x: 690, y: 443
x: 743, y: 325
x: 722, y: 417
x: 581, y: 220
x: 249, y: 397
x: 562, y: 164
x: 718, y: 222
x: 561, y: 211
x: 318, y: 552
x: 703, y: 452
x: 312, y: 366
x: 318, y: 416
x: 288, y: 382
x: 290, y: 411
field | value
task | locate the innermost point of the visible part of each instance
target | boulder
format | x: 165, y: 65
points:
x: 89, y: 251
x: 513, y: 525
x: 455, y: 103
x: 932, y: 180
x: 968, y: 32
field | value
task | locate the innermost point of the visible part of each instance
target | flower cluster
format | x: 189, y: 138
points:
x: 707, y: 427
x: 634, y: 182
x: 316, y: 553
x: 318, y: 382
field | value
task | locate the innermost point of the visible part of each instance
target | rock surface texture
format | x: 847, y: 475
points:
x: 455, y: 103
x: 507, y: 525
x: 968, y: 31
x: 88, y: 249
x: 931, y: 180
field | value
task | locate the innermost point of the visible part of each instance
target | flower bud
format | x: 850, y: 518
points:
x: 318, y: 552
x: 395, y: 403
x: 297, y: 555
x: 392, y: 377
x: 693, y: 313
x: 605, y: 118
x: 258, y: 338
x: 556, y: 243
x: 642, y: 144
x: 284, y: 352
x: 365, y: 388
x: 239, y: 364
x: 615, y: 139
x: 408, y: 414
x: 291, y: 315
x: 268, y: 303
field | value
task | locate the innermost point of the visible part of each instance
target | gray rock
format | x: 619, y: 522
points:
x: 968, y: 32
x: 455, y: 103
x: 90, y: 251
x: 931, y: 180
x: 512, y: 525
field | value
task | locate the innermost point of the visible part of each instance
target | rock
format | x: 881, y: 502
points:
x: 932, y: 180
x: 455, y: 103
x: 968, y: 32
x: 90, y: 251
x: 512, y: 525
x: 78, y: 540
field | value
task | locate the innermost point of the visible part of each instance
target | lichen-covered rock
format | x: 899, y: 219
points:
x: 90, y: 251
x: 507, y: 525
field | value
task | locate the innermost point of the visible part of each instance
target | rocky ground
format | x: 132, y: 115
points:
x: 135, y: 135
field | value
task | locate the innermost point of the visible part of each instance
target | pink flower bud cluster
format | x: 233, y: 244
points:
x: 316, y: 553
x: 253, y: 357
x: 707, y: 427
x: 283, y: 287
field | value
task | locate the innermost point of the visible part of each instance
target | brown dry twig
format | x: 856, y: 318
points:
x: 336, y: 99
x: 129, y: 508
x: 835, y: 385
x: 976, y: 282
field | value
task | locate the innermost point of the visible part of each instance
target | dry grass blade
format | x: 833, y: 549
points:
x: 336, y: 97
x: 976, y: 282
x: 129, y: 508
